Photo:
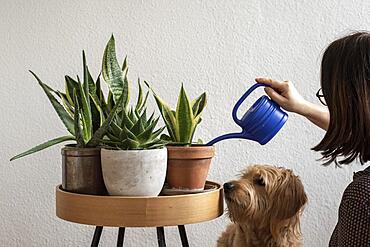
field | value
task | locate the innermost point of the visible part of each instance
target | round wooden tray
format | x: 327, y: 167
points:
x: 121, y: 211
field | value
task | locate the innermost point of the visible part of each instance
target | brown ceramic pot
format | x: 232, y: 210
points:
x: 81, y: 171
x: 187, y: 167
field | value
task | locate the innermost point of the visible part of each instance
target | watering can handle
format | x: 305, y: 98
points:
x: 241, y: 100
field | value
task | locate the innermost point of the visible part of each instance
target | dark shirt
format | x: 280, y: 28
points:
x: 353, y: 227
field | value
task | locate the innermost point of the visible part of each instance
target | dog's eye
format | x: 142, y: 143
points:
x: 259, y: 181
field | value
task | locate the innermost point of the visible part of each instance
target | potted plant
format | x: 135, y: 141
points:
x: 134, y: 159
x: 84, y: 112
x: 188, y: 162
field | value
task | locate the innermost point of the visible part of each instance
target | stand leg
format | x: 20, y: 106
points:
x: 96, y: 238
x: 160, y: 237
x: 121, y: 235
x: 184, y: 238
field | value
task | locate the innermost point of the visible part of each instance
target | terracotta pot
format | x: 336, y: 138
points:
x: 81, y: 171
x: 187, y: 167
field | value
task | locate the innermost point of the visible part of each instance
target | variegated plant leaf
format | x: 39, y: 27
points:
x: 112, y: 73
x: 147, y: 133
x: 199, y: 104
x: 43, y: 146
x: 62, y: 113
x: 67, y: 106
x: 167, y: 115
x: 79, y: 135
x: 184, y: 117
x: 139, y: 97
x: 70, y: 85
x: 86, y: 116
x: 99, y: 134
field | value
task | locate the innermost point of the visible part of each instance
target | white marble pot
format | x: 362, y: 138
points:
x: 134, y: 172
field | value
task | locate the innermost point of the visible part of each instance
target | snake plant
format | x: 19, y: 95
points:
x: 81, y: 108
x: 130, y: 128
x: 181, y: 122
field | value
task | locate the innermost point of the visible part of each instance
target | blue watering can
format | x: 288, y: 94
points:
x: 260, y: 123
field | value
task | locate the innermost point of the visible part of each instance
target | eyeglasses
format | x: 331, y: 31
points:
x: 320, y: 96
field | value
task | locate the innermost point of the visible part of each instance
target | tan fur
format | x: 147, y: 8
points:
x: 265, y: 207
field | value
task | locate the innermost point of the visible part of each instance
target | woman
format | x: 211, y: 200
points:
x: 345, y: 82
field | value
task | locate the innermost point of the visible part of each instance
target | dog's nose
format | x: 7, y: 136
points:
x: 228, y: 186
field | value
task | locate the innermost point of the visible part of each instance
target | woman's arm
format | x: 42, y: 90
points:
x: 318, y: 115
x: 286, y: 95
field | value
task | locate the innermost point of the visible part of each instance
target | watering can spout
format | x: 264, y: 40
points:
x: 241, y: 135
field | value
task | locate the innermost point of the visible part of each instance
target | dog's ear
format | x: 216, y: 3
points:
x: 288, y: 196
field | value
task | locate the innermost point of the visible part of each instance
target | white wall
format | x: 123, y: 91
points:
x: 213, y: 46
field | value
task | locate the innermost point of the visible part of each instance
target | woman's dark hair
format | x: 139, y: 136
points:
x: 345, y: 82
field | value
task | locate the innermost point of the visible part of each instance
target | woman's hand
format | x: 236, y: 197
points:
x: 285, y: 94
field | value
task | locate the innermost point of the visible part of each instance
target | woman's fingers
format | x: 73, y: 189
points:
x: 270, y: 82
x: 265, y: 80
x: 279, y: 86
x: 284, y: 93
x: 275, y: 96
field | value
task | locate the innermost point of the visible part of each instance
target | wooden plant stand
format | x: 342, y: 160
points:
x: 122, y: 211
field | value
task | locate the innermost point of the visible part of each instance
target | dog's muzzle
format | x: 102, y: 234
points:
x: 228, y: 187
x: 228, y: 191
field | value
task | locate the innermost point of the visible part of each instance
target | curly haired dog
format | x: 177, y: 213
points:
x: 265, y: 206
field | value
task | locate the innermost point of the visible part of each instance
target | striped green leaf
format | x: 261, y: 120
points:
x: 199, y: 104
x: 87, y: 80
x: 100, y: 94
x: 167, y: 115
x: 156, y: 133
x: 126, y: 93
x: 110, y: 102
x: 99, y: 110
x: 67, y: 106
x: 157, y: 143
x: 70, y: 86
x: 99, y: 134
x: 97, y: 116
x: 111, y: 70
x: 125, y: 67
x: 85, y: 110
x: 112, y: 137
x: 138, y: 126
x: 62, y: 113
x: 147, y: 133
x: 43, y: 146
x: 115, y: 128
x: 184, y: 117
x: 126, y: 133
x: 151, y: 118
x: 129, y: 144
x: 78, y: 128
x: 165, y: 137
x: 139, y: 97
x: 125, y: 120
